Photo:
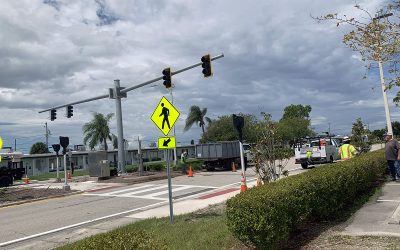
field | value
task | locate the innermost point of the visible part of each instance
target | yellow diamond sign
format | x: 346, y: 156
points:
x: 165, y: 115
x: 166, y: 142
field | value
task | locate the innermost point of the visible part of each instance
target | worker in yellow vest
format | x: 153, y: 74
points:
x: 347, y: 151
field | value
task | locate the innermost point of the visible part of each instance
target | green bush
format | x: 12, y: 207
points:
x: 121, y: 238
x: 156, y: 167
x: 266, y: 215
x: 132, y: 168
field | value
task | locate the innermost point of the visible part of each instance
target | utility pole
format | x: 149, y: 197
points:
x: 47, y: 135
x: 15, y: 145
x: 140, y: 158
x: 383, y: 86
x: 175, y: 155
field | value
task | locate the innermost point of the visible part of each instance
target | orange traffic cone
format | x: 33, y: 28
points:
x: 190, y: 171
x: 243, y: 186
x: 26, y: 179
x: 233, y: 167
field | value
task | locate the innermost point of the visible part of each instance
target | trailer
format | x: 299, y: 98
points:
x: 11, y: 168
x: 219, y: 155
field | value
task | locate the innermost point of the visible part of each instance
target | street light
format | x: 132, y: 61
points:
x: 383, y: 86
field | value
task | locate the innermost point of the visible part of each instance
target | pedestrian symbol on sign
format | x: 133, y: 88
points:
x: 165, y: 115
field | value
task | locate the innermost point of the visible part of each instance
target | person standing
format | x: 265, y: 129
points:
x: 183, y: 162
x: 347, y: 151
x: 392, y: 149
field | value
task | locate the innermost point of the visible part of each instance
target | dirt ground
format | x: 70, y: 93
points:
x: 9, y: 195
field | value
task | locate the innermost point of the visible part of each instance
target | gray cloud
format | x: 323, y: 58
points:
x: 275, y: 55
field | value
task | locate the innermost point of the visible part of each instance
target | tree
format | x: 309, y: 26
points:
x: 377, y: 134
x: 396, y: 128
x: 374, y: 38
x: 114, y: 139
x: 270, y: 152
x: 97, y: 130
x: 295, y: 123
x: 360, y: 135
x: 222, y: 129
x: 196, y: 115
x: 39, y: 148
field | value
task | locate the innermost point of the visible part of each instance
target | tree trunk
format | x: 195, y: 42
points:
x: 105, y: 144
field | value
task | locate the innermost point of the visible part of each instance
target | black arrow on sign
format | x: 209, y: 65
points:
x: 165, y: 144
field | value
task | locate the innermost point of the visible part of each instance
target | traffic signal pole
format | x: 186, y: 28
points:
x: 120, y: 129
x: 119, y: 93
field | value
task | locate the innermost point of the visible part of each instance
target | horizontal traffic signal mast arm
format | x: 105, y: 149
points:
x: 125, y: 90
x: 78, y: 102
x: 172, y: 73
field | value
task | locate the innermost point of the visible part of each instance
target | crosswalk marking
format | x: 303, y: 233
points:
x: 129, y: 189
x: 166, y: 191
x: 145, y: 191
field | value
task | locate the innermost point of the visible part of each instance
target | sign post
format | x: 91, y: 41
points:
x: 164, y: 117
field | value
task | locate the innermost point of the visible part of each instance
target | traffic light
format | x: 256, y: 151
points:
x: 238, y: 123
x: 64, y: 142
x: 167, y: 77
x: 206, y: 60
x: 70, y: 111
x: 53, y: 114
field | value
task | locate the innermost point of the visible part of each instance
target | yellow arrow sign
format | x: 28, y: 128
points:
x: 1, y: 143
x: 166, y: 142
x: 165, y: 116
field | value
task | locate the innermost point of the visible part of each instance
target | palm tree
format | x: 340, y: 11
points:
x: 196, y: 115
x: 97, y: 130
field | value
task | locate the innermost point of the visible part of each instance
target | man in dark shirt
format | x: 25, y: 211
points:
x: 392, y: 149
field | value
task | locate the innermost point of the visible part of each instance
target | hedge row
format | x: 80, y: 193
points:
x: 266, y: 215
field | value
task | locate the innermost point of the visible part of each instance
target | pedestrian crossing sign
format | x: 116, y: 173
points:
x: 165, y: 115
x: 166, y: 142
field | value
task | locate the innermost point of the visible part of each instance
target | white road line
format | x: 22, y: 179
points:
x: 130, y: 189
x: 145, y: 190
x: 77, y: 224
x: 166, y: 191
x: 194, y: 186
x: 388, y: 200
x: 127, y: 196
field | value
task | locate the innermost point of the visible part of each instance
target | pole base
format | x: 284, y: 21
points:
x: 66, y: 187
x: 58, y: 180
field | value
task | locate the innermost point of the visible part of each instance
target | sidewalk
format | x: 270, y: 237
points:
x: 380, y: 216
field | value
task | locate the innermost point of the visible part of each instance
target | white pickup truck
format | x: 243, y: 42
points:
x: 312, y: 151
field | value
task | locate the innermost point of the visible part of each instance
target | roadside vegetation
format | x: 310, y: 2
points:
x: 53, y: 175
x: 204, y: 229
x: 161, y: 165
x: 267, y: 215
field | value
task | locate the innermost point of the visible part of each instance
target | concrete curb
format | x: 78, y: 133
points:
x: 40, y: 199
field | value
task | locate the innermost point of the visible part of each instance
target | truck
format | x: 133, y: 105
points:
x: 219, y: 155
x: 316, y: 150
x: 11, y: 168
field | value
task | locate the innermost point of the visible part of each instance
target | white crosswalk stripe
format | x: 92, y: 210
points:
x: 153, y: 192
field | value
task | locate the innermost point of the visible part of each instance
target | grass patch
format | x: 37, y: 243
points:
x: 204, y: 229
x: 51, y: 175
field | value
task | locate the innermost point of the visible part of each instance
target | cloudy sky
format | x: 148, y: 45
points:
x: 54, y: 52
